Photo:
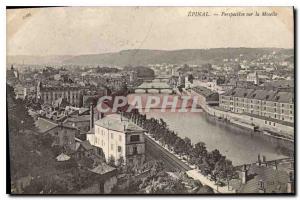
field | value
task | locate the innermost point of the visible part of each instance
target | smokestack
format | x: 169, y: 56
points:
x: 91, y: 116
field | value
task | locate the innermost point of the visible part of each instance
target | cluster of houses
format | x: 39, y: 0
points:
x: 107, y: 140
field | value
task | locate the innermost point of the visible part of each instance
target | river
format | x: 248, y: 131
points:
x: 239, y: 145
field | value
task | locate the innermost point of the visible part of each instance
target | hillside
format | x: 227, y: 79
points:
x: 36, y: 60
x: 144, y: 56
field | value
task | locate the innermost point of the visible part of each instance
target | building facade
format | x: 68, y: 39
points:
x: 253, y: 77
x: 274, y: 104
x: 205, y: 96
x: 48, y: 94
x: 119, y: 139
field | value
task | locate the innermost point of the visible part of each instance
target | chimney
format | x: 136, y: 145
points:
x: 275, y: 165
x: 290, y: 183
x: 258, y: 160
x: 264, y: 162
x: 261, y: 187
x: 244, y: 174
x: 264, y: 159
x: 91, y: 116
x: 98, y: 115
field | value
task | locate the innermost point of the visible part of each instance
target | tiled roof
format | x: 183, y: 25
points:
x: 63, y: 157
x: 284, y: 97
x: 44, y: 125
x: 103, y: 168
x: 261, y: 94
x: 118, y: 123
x: 87, y: 145
x: 274, y: 180
x: 79, y: 118
x: 203, y: 91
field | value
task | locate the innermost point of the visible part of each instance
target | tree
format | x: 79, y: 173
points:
x: 120, y: 161
x: 179, y: 145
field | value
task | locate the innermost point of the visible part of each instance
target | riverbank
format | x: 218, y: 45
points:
x: 253, y: 123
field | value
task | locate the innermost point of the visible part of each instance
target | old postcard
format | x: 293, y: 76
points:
x: 150, y: 100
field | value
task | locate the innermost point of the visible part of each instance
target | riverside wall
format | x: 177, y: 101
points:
x: 283, y: 132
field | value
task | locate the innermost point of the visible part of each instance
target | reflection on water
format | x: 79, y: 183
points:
x: 239, y: 145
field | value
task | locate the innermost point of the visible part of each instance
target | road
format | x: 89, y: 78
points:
x: 158, y: 152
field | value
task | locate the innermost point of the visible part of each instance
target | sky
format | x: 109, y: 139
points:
x: 93, y: 30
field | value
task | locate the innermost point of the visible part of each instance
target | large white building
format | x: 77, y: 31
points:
x: 253, y: 77
x: 118, y: 137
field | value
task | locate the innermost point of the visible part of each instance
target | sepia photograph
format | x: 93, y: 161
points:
x: 150, y: 100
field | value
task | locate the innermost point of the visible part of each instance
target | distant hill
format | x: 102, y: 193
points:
x: 36, y: 60
x: 143, y: 56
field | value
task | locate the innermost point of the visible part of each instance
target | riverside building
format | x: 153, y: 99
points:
x: 119, y: 138
x: 269, y: 104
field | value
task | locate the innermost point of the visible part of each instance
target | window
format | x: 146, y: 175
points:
x: 134, y: 150
x: 275, y: 115
x: 119, y: 149
x: 266, y: 122
x: 282, y: 105
x: 120, y: 138
x: 269, y: 123
x: 134, y: 138
x: 273, y: 123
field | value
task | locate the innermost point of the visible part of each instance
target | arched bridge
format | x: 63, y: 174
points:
x: 151, y: 90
